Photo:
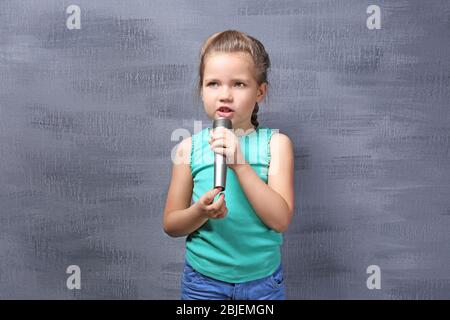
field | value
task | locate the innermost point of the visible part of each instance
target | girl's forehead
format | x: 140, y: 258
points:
x: 237, y: 54
x: 218, y: 61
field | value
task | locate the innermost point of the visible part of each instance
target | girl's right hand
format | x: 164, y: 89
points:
x: 216, y: 210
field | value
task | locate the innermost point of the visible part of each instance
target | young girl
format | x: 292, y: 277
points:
x: 233, y: 244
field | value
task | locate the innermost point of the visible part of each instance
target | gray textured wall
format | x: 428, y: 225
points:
x: 86, y: 118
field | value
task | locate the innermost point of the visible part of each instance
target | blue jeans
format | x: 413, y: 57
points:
x: 196, y: 286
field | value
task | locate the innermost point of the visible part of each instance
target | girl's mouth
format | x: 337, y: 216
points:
x: 225, y: 112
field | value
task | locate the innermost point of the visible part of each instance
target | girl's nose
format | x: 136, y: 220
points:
x: 225, y: 93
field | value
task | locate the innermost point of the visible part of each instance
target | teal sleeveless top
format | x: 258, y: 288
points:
x: 239, y: 247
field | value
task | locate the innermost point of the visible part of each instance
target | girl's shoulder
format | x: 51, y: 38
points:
x: 281, y: 159
x: 183, y: 151
x: 280, y: 142
x: 277, y: 136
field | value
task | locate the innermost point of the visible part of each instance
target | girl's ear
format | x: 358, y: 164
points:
x: 262, y: 90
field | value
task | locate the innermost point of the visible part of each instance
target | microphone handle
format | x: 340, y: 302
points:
x: 220, y: 165
x: 220, y: 172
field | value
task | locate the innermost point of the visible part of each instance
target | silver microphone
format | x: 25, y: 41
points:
x: 220, y: 164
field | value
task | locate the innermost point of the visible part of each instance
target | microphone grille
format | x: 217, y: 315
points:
x: 222, y: 122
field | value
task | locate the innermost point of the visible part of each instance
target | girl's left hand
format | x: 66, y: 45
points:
x: 223, y: 141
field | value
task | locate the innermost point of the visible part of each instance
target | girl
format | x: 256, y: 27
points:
x: 233, y: 245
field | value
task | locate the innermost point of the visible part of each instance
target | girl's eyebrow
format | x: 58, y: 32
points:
x: 236, y: 79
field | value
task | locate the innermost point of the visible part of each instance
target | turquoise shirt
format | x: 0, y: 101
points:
x: 239, y: 247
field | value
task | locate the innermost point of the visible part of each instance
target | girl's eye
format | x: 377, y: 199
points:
x: 237, y: 84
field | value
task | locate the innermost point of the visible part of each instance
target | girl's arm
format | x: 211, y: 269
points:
x: 274, y: 201
x: 180, y: 217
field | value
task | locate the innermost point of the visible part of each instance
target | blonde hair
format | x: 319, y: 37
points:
x: 231, y: 41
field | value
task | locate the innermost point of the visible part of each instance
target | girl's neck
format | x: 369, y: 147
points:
x: 243, y: 132
x: 243, y: 127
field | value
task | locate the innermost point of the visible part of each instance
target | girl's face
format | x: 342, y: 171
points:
x: 229, y: 82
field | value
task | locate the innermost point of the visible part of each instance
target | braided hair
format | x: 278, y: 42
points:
x: 255, y: 115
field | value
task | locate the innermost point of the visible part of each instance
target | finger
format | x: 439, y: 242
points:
x: 221, y: 216
x: 216, y: 198
x: 220, y: 213
x: 223, y: 210
x: 221, y: 130
x: 217, y: 137
x: 218, y: 143
x: 216, y: 205
x: 218, y: 133
x: 212, y: 138
x: 216, y: 213
x: 224, y: 206
x: 210, y: 195
x: 221, y: 204
x: 221, y: 151
x: 218, y: 130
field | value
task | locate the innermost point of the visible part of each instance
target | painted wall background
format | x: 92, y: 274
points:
x: 86, y: 118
